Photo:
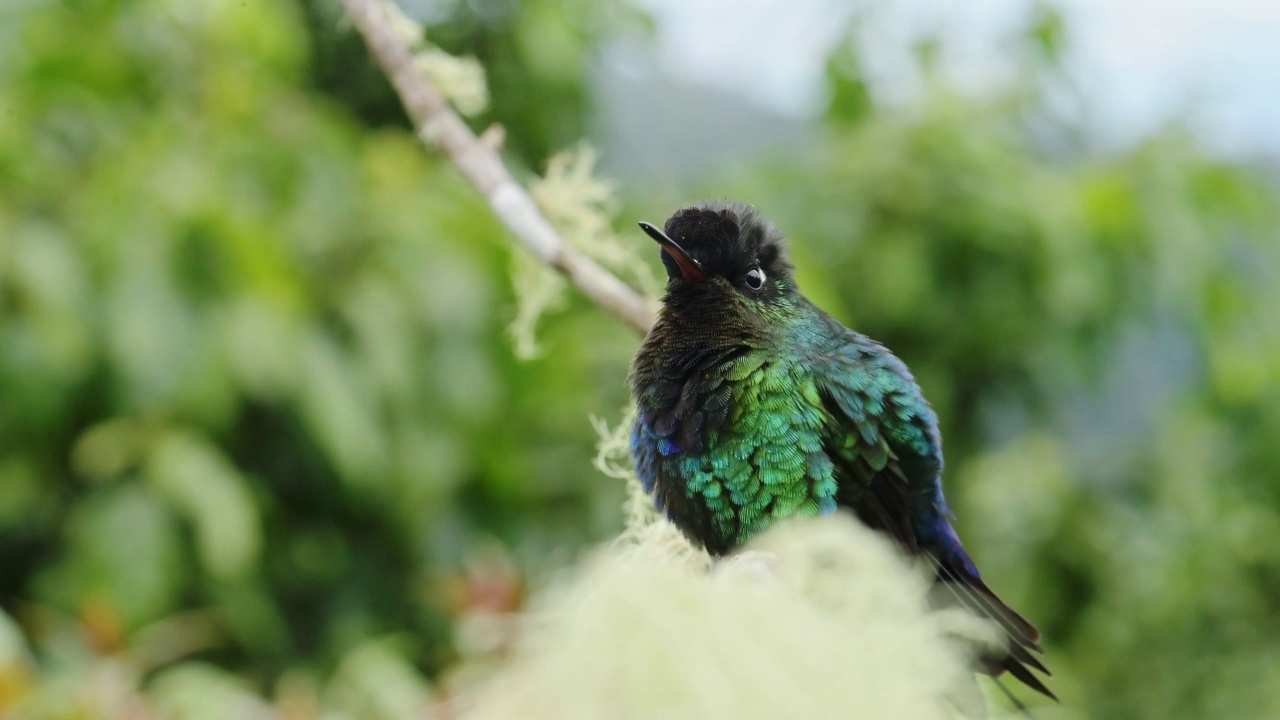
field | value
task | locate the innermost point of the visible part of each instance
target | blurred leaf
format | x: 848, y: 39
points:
x: 16, y: 663
x: 338, y: 408
x: 196, y: 691
x: 209, y: 491
x: 123, y: 558
x: 21, y: 492
x: 262, y: 347
x: 1049, y: 30
x: 374, y: 681
x: 109, y: 448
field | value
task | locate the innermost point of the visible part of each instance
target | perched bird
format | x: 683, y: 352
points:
x: 755, y: 405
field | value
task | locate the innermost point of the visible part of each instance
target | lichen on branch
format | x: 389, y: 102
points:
x: 391, y: 37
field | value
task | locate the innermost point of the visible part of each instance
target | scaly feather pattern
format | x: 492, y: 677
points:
x: 755, y: 405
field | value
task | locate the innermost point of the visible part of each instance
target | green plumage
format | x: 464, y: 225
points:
x: 745, y: 483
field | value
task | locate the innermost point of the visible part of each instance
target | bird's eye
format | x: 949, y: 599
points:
x: 755, y: 278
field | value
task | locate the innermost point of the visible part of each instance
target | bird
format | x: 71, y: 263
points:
x: 753, y: 405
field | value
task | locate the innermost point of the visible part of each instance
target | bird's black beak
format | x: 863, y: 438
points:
x: 690, y: 269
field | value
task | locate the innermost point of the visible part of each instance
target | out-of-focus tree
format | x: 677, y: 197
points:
x: 254, y: 353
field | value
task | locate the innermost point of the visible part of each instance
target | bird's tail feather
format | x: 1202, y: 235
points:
x: 1023, y: 639
x: 1018, y: 705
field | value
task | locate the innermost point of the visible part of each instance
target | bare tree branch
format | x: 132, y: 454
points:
x: 438, y: 123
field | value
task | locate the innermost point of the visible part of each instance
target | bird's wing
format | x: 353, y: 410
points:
x: 882, y: 437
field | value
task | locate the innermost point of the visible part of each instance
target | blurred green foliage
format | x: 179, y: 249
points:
x: 254, y: 353
x: 260, y: 420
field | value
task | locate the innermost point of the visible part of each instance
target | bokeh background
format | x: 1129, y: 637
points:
x: 269, y: 446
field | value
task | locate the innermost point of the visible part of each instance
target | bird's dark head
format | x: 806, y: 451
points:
x: 718, y: 251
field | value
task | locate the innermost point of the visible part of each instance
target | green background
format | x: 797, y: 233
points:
x: 264, y: 438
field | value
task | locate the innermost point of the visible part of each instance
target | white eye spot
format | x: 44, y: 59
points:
x: 755, y: 278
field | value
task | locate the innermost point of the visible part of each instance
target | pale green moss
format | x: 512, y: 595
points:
x: 818, y: 618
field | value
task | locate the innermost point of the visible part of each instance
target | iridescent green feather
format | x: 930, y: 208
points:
x: 769, y: 461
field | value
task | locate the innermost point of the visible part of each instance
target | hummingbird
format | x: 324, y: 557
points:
x: 754, y: 405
